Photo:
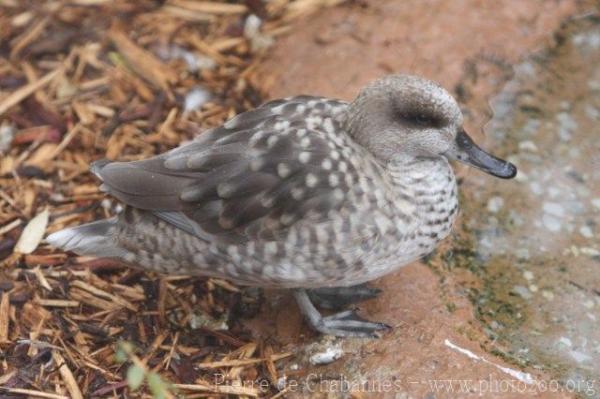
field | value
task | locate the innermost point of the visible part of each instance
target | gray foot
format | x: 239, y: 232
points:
x: 341, y: 297
x: 343, y: 324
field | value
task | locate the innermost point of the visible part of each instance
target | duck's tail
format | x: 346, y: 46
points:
x: 92, y: 239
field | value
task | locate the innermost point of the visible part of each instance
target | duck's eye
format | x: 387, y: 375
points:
x: 419, y: 116
x: 419, y: 119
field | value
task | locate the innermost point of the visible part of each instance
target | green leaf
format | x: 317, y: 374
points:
x: 157, y: 386
x: 116, y: 58
x: 124, y: 349
x: 120, y: 355
x: 135, y: 376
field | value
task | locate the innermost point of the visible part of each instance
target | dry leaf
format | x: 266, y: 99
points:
x: 33, y: 233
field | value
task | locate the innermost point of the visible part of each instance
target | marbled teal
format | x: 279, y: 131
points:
x: 307, y: 193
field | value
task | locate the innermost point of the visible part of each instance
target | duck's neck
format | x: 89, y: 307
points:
x: 430, y: 174
x: 429, y: 184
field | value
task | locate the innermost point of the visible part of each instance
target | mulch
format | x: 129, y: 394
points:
x: 82, y: 80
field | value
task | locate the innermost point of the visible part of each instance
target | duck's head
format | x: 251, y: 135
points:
x: 404, y: 116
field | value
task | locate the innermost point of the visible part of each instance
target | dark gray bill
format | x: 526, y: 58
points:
x: 466, y: 151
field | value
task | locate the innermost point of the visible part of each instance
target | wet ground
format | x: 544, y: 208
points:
x: 509, y: 306
x: 535, y: 244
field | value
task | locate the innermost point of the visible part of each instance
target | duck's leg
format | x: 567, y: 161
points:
x: 343, y: 324
x: 337, y: 298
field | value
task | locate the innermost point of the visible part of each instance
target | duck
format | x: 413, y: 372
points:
x: 312, y: 194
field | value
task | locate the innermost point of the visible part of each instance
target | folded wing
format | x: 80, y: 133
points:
x: 250, y: 179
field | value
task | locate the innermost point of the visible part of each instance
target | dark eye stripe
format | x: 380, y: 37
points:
x: 421, y: 120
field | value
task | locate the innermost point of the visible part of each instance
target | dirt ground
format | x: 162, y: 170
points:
x: 469, y: 46
x: 120, y: 85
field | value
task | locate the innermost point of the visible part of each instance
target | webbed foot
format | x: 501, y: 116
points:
x: 342, y: 324
x: 341, y: 297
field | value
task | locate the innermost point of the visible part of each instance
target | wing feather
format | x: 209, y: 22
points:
x: 251, y: 178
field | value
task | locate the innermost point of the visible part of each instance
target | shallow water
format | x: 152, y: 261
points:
x: 536, y: 241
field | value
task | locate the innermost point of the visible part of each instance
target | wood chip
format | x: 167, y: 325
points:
x: 220, y: 389
x: 45, y: 260
x: 4, y: 316
x: 210, y: 7
x: 67, y: 376
x: 141, y: 61
x: 89, y: 299
x: 8, y: 227
x: 28, y: 37
x: 65, y: 141
x: 6, y: 377
x: 187, y: 14
x: 103, y: 294
x: 32, y: 233
x: 57, y: 303
x: 41, y: 278
x: 33, y: 394
x: 19, y: 95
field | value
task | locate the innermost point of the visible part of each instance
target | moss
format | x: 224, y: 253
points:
x: 451, y: 307
x: 510, y: 357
